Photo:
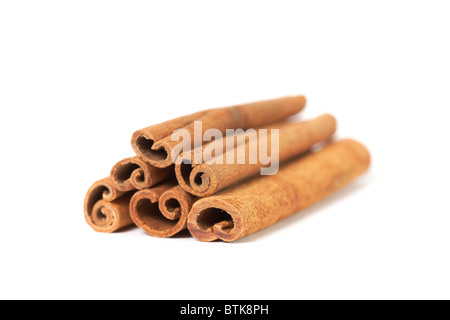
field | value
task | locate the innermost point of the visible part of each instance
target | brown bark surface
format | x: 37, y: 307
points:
x: 155, y: 145
x: 212, y: 176
x: 263, y: 201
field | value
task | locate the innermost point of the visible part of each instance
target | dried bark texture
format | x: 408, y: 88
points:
x: 136, y: 174
x: 263, y: 201
x: 216, y: 148
x: 106, y: 209
x: 154, y: 143
x: 212, y: 176
x: 161, y: 211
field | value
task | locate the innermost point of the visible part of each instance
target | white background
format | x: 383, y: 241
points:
x: 77, y: 78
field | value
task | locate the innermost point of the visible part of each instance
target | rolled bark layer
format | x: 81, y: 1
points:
x: 212, y: 176
x: 136, y: 174
x: 263, y: 201
x: 175, y: 204
x: 106, y: 209
x: 161, y: 211
x: 155, y: 145
x: 143, y: 140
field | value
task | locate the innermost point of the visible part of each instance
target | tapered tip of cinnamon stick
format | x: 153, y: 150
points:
x: 358, y: 151
x: 300, y: 101
x: 212, y: 219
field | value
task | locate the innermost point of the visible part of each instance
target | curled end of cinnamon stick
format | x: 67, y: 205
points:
x: 203, y: 181
x: 143, y: 144
x: 134, y: 173
x: 163, y: 211
x: 106, y: 208
x: 200, y: 181
x: 215, y: 219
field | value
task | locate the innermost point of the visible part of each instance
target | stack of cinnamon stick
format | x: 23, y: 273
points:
x: 219, y: 186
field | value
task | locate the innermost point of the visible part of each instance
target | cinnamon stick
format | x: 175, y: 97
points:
x: 155, y: 145
x: 176, y: 204
x: 134, y: 173
x: 106, y: 209
x: 143, y: 140
x: 161, y: 211
x: 263, y: 201
x: 212, y: 176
